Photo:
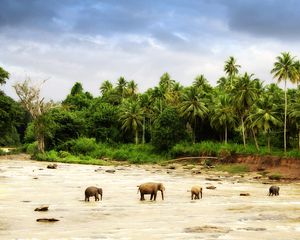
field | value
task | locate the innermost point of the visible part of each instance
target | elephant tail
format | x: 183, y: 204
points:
x: 138, y: 189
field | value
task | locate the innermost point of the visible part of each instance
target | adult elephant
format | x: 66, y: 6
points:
x: 151, y: 188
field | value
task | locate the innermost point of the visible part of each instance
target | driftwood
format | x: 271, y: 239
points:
x: 42, y: 209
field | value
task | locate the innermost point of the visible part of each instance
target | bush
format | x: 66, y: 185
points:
x: 80, y: 146
x: 32, y: 148
x: 275, y: 176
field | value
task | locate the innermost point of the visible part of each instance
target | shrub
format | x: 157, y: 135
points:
x: 63, y: 154
x: 275, y: 176
x: 80, y: 146
x: 32, y: 148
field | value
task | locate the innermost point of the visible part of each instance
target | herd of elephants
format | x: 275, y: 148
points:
x: 152, y: 188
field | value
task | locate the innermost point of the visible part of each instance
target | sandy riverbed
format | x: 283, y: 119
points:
x: 221, y: 214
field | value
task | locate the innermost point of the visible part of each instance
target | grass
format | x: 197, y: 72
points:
x: 88, y: 151
x: 232, y: 168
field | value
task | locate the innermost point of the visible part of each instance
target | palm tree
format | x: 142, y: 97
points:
x: 265, y: 116
x: 297, y: 66
x: 105, y: 87
x: 121, y: 87
x: 132, y: 88
x: 284, y: 69
x: 295, y: 116
x: 222, y: 114
x: 231, y: 68
x: 131, y: 116
x: 244, y: 94
x: 192, y: 108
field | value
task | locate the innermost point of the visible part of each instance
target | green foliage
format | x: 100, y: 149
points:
x: 80, y: 146
x: 275, y: 176
x: 12, y: 121
x: 32, y: 148
x: 4, y: 75
x: 168, y: 129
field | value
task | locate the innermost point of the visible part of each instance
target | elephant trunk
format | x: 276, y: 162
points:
x: 162, y: 195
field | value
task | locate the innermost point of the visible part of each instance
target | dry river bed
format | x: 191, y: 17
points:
x: 221, y: 214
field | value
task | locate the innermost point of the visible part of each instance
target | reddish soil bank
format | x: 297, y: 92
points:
x: 287, y: 167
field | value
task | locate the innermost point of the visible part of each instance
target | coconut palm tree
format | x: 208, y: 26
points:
x: 294, y: 114
x: 265, y: 116
x: 192, y: 108
x: 244, y: 93
x: 231, y: 68
x: 131, y: 117
x: 121, y: 86
x: 132, y: 88
x: 105, y: 87
x: 284, y: 70
x: 222, y: 114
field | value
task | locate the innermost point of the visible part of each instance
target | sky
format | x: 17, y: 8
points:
x: 90, y: 41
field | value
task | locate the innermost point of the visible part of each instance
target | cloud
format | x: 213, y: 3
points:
x: 269, y: 18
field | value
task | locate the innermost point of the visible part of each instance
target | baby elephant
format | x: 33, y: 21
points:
x: 273, y: 190
x: 93, y: 191
x: 151, y: 188
x: 195, y: 192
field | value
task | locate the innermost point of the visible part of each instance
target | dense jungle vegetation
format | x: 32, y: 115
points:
x: 239, y: 115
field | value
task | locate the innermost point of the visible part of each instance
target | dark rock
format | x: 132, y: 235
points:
x: 47, y: 220
x: 211, y: 187
x: 52, y: 166
x: 35, y: 178
x: 42, y: 209
x: 172, y: 167
x: 196, y: 172
x: 244, y: 194
x: 110, y: 171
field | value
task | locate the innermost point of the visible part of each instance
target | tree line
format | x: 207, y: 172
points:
x: 239, y: 109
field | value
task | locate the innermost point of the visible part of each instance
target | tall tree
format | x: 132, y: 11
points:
x: 131, y: 116
x: 231, y: 68
x: 106, y: 87
x: 30, y: 96
x: 284, y: 70
x: 244, y: 94
x: 192, y: 107
x: 223, y: 114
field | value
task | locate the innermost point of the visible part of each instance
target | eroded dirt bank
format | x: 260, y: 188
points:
x: 221, y: 214
x: 289, y: 168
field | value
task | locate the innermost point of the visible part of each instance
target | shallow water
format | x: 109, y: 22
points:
x: 221, y: 214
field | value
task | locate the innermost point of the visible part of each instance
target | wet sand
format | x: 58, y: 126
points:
x: 221, y: 214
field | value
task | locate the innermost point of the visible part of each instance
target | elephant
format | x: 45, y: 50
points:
x: 274, y: 190
x: 195, y: 191
x: 151, y: 188
x: 93, y: 191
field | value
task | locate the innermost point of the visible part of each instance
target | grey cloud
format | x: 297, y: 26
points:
x: 266, y: 18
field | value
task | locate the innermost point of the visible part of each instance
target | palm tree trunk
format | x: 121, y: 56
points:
x: 194, y: 135
x: 225, y: 133
x: 255, y: 140
x: 269, y: 144
x: 243, y: 131
x: 136, y: 137
x: 144, y: 125
x: 285, y: 114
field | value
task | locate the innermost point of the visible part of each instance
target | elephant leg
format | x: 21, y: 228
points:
x: 96, y: 197
x: 87, y: 199
x: 142, y: 197
x: 155, y: 196
x: 192, y: 195
x: 201, y: 194
x: 151, y: 196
